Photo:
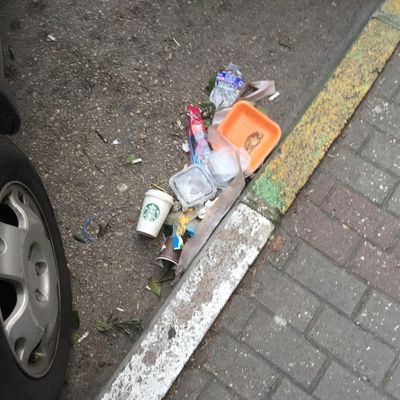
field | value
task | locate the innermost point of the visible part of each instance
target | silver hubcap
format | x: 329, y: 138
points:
x: 28, y: 271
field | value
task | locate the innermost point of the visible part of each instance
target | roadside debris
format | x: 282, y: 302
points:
x: 228, y: 139
x: 100, y: 135
x: 83, y: 337
x: 11, y: 53
x: 197, y: 137
x: 157, y: 187
x: 210, y: 221
x: 75, y: 323
x: 103, y: 227
x: 185, y: 147
x: 155, y: 208
x: 132, y: 160
x: 127, y: 327
x: 168, y: 252
x: 192, y: 186
x: 85, y: 225
x: 154, y: 285
x: 79, y: 238
x: 274, y: 96
x: 227, y: 87
x: 51, y: 38
x: 122, y: 187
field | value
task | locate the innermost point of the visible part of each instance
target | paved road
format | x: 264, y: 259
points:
x: 318, y: 315
x: 127, y: 69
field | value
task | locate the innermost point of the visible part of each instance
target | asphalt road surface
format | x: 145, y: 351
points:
x: 128, y: 69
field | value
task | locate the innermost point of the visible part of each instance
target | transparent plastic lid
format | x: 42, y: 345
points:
x: 192, y: 186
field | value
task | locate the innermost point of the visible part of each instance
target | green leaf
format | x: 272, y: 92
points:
x: 80, y: 238
x: 154, y: 285
x: 130, y: 158
x: 75, y: 323
x: 207, y: 103
x: 128, y: 326
x: 211, y: 83
x: 74, y: 335
x: 207, y: 123
x: 101, y: 326
x: 75, y: 320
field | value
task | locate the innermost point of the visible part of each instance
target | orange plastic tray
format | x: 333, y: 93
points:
x: 244, y: 120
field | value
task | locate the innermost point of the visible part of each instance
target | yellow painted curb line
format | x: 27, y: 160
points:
x: 392, y: 7
x: 276, y: 186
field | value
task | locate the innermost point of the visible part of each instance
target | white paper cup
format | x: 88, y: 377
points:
x: 156, y: 206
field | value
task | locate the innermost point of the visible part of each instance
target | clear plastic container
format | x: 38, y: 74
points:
x: 192, y: 186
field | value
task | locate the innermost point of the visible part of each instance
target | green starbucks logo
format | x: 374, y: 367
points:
x: 151, y: 212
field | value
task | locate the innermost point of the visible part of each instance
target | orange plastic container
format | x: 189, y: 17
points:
x: 245, y: 126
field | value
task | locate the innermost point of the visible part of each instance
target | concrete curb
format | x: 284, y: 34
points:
x: 158, y: 357
x: 154, y: 363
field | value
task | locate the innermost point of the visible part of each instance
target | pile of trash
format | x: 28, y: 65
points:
x: 228, y: 140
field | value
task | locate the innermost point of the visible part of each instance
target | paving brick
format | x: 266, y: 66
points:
x: 284, y: 297
x: 393, y: 386
x: 236, y: 313
x: 278, y: 250
x: 381, y: 315
x: 239, y: 368
x: 189, y: 385
x: 383, y: 114
x: 365, y: 217
x: 322, y: 277
x: 283, y: 347
x: 288, y: 391
x: 394, y: 202
x: 378, y: 268
x: 318, y: 188
x: 387, y: 83
x: 216, y: 391
x: 355, y: 134
x: 359, y: 174
x: 384, y: 150
x: 359, y: 349
x: 339, y: 384
x: 328, y: 236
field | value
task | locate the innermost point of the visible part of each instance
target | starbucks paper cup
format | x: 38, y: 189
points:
x: 156, y: 206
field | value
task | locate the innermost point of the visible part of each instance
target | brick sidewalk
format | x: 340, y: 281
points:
x: 318, y: 315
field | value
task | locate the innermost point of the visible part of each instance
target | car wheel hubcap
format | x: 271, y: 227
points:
x: 29, y: 292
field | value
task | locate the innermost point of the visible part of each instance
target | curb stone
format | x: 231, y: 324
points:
x: 177, y: 329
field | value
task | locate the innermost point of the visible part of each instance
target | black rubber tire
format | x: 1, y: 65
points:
x: 14, y: 383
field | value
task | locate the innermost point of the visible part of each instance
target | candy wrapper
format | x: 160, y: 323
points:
x: 197, y: 136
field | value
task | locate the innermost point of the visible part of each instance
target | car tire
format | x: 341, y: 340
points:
x: 35, y: 293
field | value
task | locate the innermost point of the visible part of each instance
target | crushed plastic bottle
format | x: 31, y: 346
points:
x: 227, y: 87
